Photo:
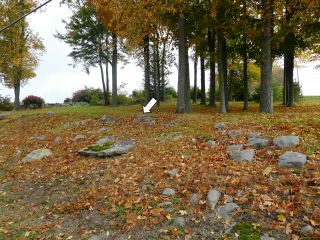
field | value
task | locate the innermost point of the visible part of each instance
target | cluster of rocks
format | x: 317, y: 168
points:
x: 257, y: 142
x: 66, y: 104
x: 3, y: 115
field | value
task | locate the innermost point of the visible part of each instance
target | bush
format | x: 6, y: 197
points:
x: 192, y: 93
x: 137, y: 96
x: 87, y: 95
x: 5, y: 103
x: 297, y: 88
x: 277, y: 93
x: 33, y: 102
x: 170, y: 93
x: 123, y: 100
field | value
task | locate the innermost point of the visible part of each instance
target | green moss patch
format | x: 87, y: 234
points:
x: 247, y: 231
x: 98, y: 148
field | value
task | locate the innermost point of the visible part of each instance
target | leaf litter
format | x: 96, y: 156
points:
x: 68, y: 196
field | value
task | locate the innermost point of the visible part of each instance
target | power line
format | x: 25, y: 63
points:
x: 24, y: 16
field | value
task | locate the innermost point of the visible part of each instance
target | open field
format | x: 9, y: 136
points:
x: 68, y: 196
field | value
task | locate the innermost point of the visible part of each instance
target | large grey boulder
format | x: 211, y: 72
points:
x: 105, y: 140
x: 106, y: 118
x: 213, y: 197
x: 229, y: 207
x: 36, y: 155
x: 254, y: 135
x: 286, y: 141
x: 179, y: 223
x: 168, y: 192
x: 292, y: 160
x: 234, y: 148
x: 245, y: 155
x: 118, y: 148
x: 258, y: 143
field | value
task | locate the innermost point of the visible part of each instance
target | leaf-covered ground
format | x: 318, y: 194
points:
x: 68, y: 196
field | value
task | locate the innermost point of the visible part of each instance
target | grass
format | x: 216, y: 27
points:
x: 66, y: 194
x: 98, y: 148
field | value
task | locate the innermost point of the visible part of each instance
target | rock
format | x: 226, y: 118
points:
x: 285, y: 141
x: 213, y: 197
x: 84, y: 122
x: 229, y: 207
x: 36, y: 155
x: 235, y: 148
x: 266, y: 238
x: 220, y: 126
x: 292, y: 160
x: 78, y: 137
x: 168, y: 192
x: 41, y: 138
x: 239, y: 193
x: 17, y: 153
x: 306, y: 230
x: 3, y: 115
x: 144, y: 119
x: 50, y: 113
x: 254, y: 135
x: 56, y: 140
x: 95, y: 237
x: 105, y: 140
x: 172, y: 172
x: 194, y: 199
x: 258, y: 143
x: 245, y: 155
x: 107, y: 118
x: 166, y: 204
x: 179, y: 223
x: 118, y: 148
x: 234, y: 133
x: 211, y: 143
x: 176, y: 138
x: 102, y: 130
x: 229, y: 200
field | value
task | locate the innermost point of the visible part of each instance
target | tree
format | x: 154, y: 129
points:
x: 20, y: 47
x: 266, y: 103
x: 92, y: 45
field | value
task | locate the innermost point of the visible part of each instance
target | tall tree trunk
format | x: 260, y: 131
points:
x: 16, y: 102
x: 146, y: 51
x: 107, y: 83
x: 163, y: 62
x: 181, y: 101
x: 195, y: 70
x: 211, y: 43
x: 203, y: 81
x: 114, y: 71
x: 225, y: 72
x: 105, y: 95
x: 222, y: 92
x: 245, y: 65
x: 284, y: 97
x: 266, y: 104
x: 158, y: 71
x: 187, y: 81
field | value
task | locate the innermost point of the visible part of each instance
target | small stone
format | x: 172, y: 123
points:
x: 254, y: 135
x: 172, y: 172
x: 168, y: 192
x: 102, y: 130
x: 78, y: 137
x: 166, y: 204
x: 107, y: 118
x: 286, y: 141
x: 234, y: 133
x: 84, y: 122
x: 194, y: 199
x: 239, y: 193
x: 36, y: 155
x: 245, y: 155
x: 176, y: 138
x: 292, y: 160
x: 50, y: 113
x: 95, y: 237
x: 211, y: 143
x: 179, y: 223
x: 306, y: 230
x: 17, y: 153
x: 57, y: 139
x: 229, y: 200
x: 213, y: 197
x: 41, y: 138
x: 220, y: 126
x: 266, y: 238
x: 258, y: 143
x: 229, y: 207
x: 235, y: 148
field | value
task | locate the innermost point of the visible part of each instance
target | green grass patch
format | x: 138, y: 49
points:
x: 247, y: 231
x: 98, y: 148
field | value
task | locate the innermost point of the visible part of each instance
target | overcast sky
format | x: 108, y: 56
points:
x: 56, y: 80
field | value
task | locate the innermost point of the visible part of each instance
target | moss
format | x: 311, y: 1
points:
x: 98, y: 148
x: 247, y: 231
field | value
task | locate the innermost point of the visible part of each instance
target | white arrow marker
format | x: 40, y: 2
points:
x: 147, y: 108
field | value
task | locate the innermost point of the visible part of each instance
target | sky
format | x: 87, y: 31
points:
x: 56, y: 80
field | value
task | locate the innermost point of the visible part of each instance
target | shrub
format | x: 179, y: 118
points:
x: 276, y: 89
x: 123, y: 100
x: 88, y: 94
x: 33, y: 102
x: 5, y: 103
x: 137, y: 96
